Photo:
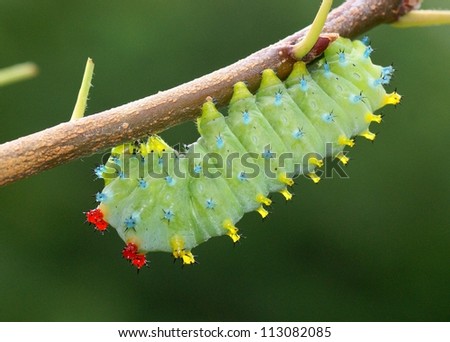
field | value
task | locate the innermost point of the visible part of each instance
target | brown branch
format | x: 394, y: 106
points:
x: 71, y: 140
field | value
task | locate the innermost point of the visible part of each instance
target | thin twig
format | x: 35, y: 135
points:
x: 80, y: 105
x: 306, y: 44
x: 423, y: 18
x: 71, y: 140
x: 18, y: 72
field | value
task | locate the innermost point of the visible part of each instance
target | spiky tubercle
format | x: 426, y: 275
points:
x: 160, y: 200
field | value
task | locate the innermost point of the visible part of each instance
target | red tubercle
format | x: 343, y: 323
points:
x: 95, y: 217
x: 130, y: 252
x: 101, y: 225
x: 139, y: 261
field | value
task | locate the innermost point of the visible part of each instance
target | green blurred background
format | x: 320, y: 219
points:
x: 371, y: 247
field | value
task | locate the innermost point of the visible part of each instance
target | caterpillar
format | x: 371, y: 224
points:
x: 161, y: 199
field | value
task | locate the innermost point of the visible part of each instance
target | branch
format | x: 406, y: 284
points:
x: 71, y: 140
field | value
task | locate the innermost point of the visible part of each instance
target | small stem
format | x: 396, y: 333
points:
x: 80, y: 105
x: 17, y: 73
x: 306, y: 44
x: 420, y: 18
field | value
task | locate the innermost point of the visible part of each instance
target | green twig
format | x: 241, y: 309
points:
x: 80, y: 105
x: 306, y: 44
x: 420, y: 18
x: 17, y: 73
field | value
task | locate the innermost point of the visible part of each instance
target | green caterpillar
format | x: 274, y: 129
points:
x: 161, y: 200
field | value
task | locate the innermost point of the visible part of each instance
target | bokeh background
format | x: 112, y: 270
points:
x: 375, y: 246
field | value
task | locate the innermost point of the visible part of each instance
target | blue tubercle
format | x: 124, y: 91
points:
x: 267, y: 154
x: 388, y: 70
x: 356, y: 98
x: 246, y: 117
x: 378, y: 81
x: 130, y: 223
x: 298, y: 133
x: 142, y: 183
x: 342, y: 59
x: 278, y: 98
x: 328, y: 117
x: 303, y: 84
x: 382, y: 80
x: 100, y: 197
x: 168, y: 214
x: 170, y: 181
x: 197, y: 169
x: 99, y: 171
x: 367, y: 52
x: 241, y: 176
x: 365, y: 40
x: 326, y: 67
x: 219, y: 141
x: 210, y: 204
x: 386, y: 73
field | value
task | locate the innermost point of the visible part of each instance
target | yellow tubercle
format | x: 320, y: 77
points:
x: 143, y: 149
x: 286, y: 194
x: 373, y: 118
x: 269, y: 78
x: 344, y: 141
x: 315, y: 161
x: 315, y: 178
x: 177, y: 244
x: 122, y: 149
x: 260, y: 198
x: 286, y: 180
x: 343, y: 158
x: 178, y: 251
x: 209, y: 113
x: 368, y: 135
x: 157, y: 145
x: 232, y: 230
x: 262, y: 211
x: 240, y: 92
x: 300, y: 69
x: 187, y: 257
x: 263, y: 199
x: 392, y: 98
